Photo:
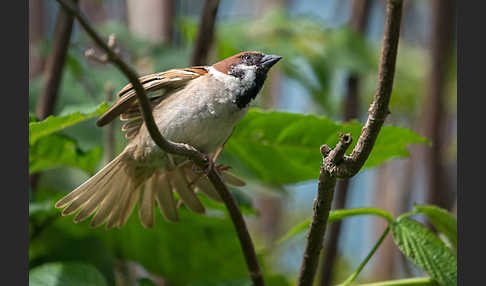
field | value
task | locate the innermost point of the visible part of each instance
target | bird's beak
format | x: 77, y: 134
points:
x: 269, y: 60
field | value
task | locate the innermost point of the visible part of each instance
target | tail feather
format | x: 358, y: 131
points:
x: 90, y: 207
x: 109, y: 193
x: 202, y: 184
x: 90, y: 193
x: 117, y: 212
x: 180, y: 184
x: 112, y: 193
x: 86, y: 186
x: 129, y: 205
x: 165, y: 198
x: 109, y: 203
x: 146, y: 209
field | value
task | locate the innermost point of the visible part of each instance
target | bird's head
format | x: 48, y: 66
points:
x: 247, y: 70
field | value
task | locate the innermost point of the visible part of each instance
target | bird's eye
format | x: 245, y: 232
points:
x: 245, y: 57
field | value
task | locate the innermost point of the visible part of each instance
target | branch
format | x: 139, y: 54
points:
x: 55, y: 64
x: 197, y: 157
x: 378, y: 110
x: 322, y: 207
x: 335, y: 164
x: 205, y: 33
x: 360, y: 11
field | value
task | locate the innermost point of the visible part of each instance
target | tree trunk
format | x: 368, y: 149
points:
x: 205, y: 33
x: 442, y: 39
x: 387, y: 197
x: 36, y: 33
x: 95, y: 10
x: 151, y: 19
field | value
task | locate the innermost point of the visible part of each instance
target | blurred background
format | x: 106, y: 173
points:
x: 331, y: 52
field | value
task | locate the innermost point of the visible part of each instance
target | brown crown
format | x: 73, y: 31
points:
x: 224, y: 66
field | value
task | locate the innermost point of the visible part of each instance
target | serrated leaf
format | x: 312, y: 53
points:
x: 58, y: 150
x: 283, y: 148
x: 444, y: 221
x: 426, y: 250
x: 66, y: 273
x: 67, y: 118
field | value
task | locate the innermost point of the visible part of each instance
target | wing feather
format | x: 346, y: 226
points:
x: 159, y: 86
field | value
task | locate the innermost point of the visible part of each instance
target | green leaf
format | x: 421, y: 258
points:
x: 66, y: 273
x: 425, y: 281
x: 444, y: 221
x: 244, y: 204
x: 32, y: 117
x: 335, y: 216
x: 41, y: 207
x: 169, y: 247
x: 281, y: 148
x: 67, y: 118
x: 426, y: 250
x: 58, y: 150
x: 363, y: 263
x: 295, y: 230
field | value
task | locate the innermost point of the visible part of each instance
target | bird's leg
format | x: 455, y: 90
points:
x: 212, y: 163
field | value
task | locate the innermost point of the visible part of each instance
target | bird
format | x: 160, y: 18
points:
x: 199, y: 106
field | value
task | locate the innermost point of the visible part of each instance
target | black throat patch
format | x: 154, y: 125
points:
x: 244, y: 98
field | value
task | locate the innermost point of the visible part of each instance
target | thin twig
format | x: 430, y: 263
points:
x: 367, y: 258
x: 205, y: 33
x: 335, y: 164
x: 190, y: 152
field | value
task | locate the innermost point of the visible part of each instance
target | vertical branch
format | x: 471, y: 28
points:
x: 440, y: 54
x: 335, y: 164
x: 55, y: 64
x: 358, y: 21
x: 205, y: 33
x: 36, y: 32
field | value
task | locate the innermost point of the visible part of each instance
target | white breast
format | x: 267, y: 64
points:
x: 202, y: 115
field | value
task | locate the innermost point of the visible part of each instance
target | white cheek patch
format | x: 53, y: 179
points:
x: 233, y: 84
x: 248, y: 79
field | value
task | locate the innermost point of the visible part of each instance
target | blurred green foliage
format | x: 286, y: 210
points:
x: 73, y: 274
x: 283, y: 148
x: 268, y: 148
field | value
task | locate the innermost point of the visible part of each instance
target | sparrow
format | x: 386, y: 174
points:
x: 199, y: 106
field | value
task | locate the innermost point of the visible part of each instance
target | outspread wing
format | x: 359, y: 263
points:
x: 158, y: 87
